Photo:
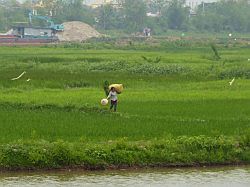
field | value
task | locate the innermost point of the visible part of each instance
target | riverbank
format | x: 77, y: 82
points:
x: 170, y: 152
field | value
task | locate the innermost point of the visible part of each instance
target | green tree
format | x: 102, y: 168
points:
x: 108, y: 17
x: 10, y: 13
x: 134, y: 15
x: 223, y: 16
x: 157, y: 5
x: 73, y: 10
x: 236, y: 14
x: 176, y: 15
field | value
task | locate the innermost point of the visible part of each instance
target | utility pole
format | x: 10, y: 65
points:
x: 203, y: 7
x: 104, y: 17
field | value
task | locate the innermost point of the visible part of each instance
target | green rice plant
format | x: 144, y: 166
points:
x: 106, y: 87
x: 216, y: 53
x: 149, y: 60
x: 176, y: 110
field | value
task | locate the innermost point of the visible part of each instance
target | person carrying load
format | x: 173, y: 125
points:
x: 115, y: 89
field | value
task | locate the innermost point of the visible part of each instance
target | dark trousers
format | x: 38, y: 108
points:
x: 113, y: 104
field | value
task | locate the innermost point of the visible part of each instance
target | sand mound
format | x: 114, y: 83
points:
x: 10, y: 32
x: 77, y: 31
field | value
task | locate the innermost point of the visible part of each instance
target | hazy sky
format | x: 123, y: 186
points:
x: 186, y: 1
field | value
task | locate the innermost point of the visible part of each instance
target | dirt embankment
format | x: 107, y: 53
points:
x: 77, y: 31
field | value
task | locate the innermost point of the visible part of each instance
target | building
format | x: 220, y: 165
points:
x: 193, y: 4
x: 98, y: 3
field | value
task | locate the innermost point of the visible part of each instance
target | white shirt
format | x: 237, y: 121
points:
x: 113, y: 96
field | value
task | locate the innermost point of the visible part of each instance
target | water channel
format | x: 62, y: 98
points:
x: 181, y: 177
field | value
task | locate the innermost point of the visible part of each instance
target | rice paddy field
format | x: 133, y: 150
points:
x: 176, y: 101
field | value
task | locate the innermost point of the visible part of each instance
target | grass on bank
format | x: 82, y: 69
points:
x: 181, y: 151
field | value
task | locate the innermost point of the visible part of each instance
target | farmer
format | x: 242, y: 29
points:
x: 113, y: 98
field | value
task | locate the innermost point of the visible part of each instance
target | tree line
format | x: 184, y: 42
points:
x: 131, y: 16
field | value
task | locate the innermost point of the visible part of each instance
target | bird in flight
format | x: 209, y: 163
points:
x: 232, y: 81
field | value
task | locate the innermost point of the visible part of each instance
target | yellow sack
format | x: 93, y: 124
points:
x: 118, y: 87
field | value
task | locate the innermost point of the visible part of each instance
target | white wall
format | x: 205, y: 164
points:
x: 193, y: 4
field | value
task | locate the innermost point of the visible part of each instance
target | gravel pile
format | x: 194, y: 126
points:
x: 77, y: 31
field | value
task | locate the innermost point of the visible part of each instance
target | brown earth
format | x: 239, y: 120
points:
x: 77, y: 31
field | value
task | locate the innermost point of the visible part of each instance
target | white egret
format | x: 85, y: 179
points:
x: 19, y: 76
x: 232, y: 81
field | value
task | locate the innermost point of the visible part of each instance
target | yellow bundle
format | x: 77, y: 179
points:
x: 118, y: 87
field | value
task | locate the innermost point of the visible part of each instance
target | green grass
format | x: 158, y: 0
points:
x: 181, y: 151
x: 186, y: 94
x: 155, y: 103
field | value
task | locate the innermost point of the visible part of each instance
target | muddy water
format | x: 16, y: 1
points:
x: 221, y: 177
